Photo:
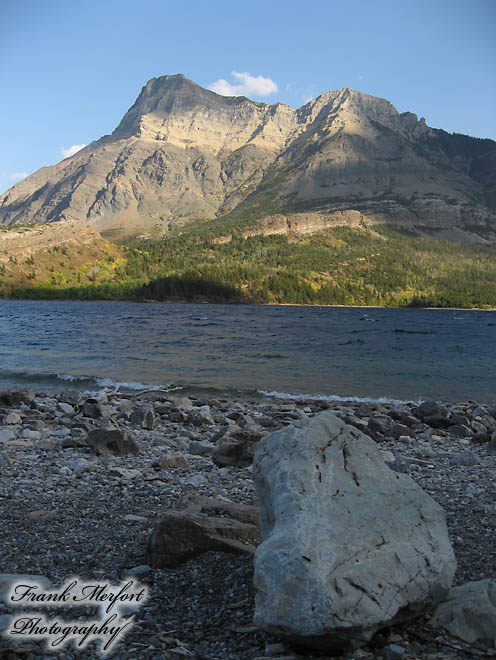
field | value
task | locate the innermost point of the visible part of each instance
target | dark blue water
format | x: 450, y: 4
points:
x: 406, y: 354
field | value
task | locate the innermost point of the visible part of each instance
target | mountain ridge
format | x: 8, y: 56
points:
x: 182, y: 153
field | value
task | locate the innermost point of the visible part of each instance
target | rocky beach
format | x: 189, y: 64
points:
x: 85, y: 480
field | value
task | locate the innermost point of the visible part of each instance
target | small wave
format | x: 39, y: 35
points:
x: 199, y: 323
x: 111, y: 383
x: 80, y: 381
x: 331, y: 397
x: 415, y: 332
x: 128, y: 385
x: 70, y: 378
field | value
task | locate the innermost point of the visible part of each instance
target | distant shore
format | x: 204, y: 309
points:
x: 245, y: 304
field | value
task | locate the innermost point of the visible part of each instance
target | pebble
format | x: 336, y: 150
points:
x: 466, y: 458
x: 196, y: 480
x: 393, y: 652
x: 66, y: 408
x: 13, y: 418
x: 132, y: 518
x: 6, y: 435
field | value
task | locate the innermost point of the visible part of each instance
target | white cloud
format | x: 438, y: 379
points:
x: 72, y: 150
x: 17, y: 176
x: 248, y: 85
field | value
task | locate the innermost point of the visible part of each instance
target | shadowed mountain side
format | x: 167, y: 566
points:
x: 191, y: 288
x: 180, y: 288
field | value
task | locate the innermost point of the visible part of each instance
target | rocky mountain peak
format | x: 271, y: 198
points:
x: 161, y: 97
x: 182, y: 152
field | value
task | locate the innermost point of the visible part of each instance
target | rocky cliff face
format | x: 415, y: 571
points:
x: 24, y: 242
x: 183, y: 153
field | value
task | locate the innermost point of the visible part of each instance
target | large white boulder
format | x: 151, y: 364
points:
x: 348, y: 545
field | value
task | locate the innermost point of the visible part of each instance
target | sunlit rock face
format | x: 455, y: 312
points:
x: 183, y: 153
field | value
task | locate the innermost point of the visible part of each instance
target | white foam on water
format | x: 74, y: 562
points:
x: 113, y: 384
x: 130, y: 385
x: 68, y: 377
x: 332, y: 397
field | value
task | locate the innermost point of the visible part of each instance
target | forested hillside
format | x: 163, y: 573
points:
x: 338, y: 266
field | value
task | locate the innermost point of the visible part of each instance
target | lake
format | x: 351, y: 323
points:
x: 403, y: 354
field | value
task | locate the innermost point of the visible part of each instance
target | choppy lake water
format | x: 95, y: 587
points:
x: 405, y: 354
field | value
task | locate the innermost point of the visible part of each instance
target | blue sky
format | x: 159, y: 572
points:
x: 69, y: 70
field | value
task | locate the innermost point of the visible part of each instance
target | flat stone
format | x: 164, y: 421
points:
x: 466, y: 458
x: 469, y: 613
x: 72, y: 442
x: 141, y: 571
x: 393, y: 652
x: 31, y: 435
x: 388, y: 456
x: 16, y: 397
x: 201, y: 416
x: 66, y: 408
x: 402, y: 430
x: 92, y: 410
x: 170, y: 462
x: 6, y: 435
x: 42, y: 515
x: 79, y: 465
x: 46, y: 445
x: 22, y: 444
x: 381, y: 425
x: 437, y: 421
x: 202, y: 524
x: 236, y: 447
x: 13, y: 418
x: 196, y: 480
x: 460, y: 431
x: 183, y: 401
x: 132, y: 518
x: 122, y: 473
x: 428, y: 408
x: 112, y: 442
x: 200, y: 448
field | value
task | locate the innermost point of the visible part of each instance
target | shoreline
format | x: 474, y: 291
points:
x: 93, y: 514
x: 245, y: 304
x: 100, y: 384
x: 86, y: 385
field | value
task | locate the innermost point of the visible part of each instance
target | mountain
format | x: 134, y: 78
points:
x: 182, y: 153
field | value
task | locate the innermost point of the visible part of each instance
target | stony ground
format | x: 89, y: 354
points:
x: 67, y: 511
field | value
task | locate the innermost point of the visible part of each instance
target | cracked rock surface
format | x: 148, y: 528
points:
x: 349, y: 545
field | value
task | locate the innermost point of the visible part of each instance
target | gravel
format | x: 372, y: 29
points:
x: 67, y: 511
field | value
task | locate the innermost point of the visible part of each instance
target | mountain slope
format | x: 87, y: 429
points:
x: 182, y: 153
